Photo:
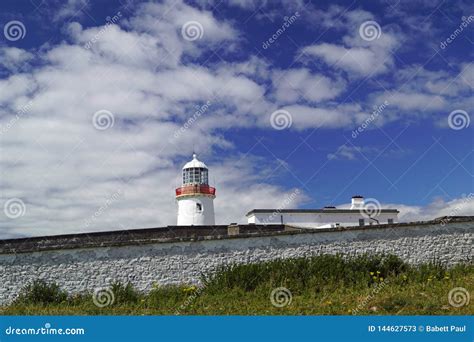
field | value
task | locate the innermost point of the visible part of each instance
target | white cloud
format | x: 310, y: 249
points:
x: 265, y: 9
x: 165, y: 21
x: 295, y: 84
x: 15, y: 88
x: 346, y: 152
x: 13, y: 58
x: 466, y: 74
x: 417, y: 78
x: 420, y: 93
x: 254, y: 68
x: 339, y: 17
x: 246, y: 4
x: 438, y: 208
x: 361, y: 60
x: 355, y: 55
x: 413, y: 101
x: 70, y: 9
x: 304, y: 117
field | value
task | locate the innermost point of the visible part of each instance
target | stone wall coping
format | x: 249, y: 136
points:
x: 186, y: 234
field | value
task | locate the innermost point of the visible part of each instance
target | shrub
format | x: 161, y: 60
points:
x: 300, y: 273
x: 167, y: 296
x: 42, y: 293
x: 125, y: 294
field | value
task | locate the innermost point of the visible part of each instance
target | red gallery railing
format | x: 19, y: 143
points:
x: 195, y: 189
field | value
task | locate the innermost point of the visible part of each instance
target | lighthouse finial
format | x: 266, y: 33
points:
x: 194, y: 155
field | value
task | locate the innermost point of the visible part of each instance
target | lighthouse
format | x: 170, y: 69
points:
x: 195, y: 197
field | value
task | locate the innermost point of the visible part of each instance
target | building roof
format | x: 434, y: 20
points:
x: 194, y: 163
x: 315, y: 211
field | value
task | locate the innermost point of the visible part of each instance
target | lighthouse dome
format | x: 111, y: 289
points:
x: 195, y: 163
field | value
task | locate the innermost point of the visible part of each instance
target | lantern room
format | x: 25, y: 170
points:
x: 195, y: 172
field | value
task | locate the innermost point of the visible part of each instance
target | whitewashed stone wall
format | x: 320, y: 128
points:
x: 182, y: 262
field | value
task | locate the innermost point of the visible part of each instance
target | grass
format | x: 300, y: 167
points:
x: 320, y: 285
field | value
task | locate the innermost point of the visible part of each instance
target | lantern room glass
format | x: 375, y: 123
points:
x: 196, y: 175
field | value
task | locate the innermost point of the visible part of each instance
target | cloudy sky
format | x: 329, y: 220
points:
x: 101, y: 103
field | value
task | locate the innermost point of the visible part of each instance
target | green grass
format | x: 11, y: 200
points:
x: 321, y: 285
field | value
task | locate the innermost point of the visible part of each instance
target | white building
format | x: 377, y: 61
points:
x: 359, y: 214
x: 195, y: 197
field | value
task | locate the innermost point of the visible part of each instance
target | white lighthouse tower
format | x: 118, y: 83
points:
x: 195, y: 197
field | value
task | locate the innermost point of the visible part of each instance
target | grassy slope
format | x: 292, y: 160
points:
x: 323, y: 285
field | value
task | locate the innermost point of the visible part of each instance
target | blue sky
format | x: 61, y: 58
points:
x: 101, y: 103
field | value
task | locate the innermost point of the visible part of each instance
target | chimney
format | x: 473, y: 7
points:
x: 357, y: 202
x: 233, y: 229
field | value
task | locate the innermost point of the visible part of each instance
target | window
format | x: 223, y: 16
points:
x: 204, y: 177
x: 196, y: 175
x: 198, y: 207
x: 361, y: 222
x: 390, y: 221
